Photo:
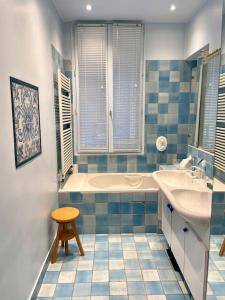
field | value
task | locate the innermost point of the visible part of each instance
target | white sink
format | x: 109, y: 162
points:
x: 190, y: 198
x: 194, y: 206
x: 174, y: 179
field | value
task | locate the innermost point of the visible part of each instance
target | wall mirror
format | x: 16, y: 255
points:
x: 204, y: 91
x: 216, y: 271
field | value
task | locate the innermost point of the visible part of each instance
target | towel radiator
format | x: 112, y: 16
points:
x: 220, y: 126
x: 65, y: 122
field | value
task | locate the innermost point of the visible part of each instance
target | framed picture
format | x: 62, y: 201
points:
x: 26, y: 121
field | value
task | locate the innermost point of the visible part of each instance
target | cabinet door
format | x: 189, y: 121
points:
x: 195, y: 265
x: 177, y: 239
x: 166, y: 219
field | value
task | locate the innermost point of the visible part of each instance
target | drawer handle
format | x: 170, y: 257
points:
x: 170, y: 207
x: 185, y: 229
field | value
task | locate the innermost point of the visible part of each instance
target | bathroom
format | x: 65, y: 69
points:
x: 122, y: 119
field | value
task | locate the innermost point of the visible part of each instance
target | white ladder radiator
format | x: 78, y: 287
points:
x: 65, y: 121
x: 219, y: 155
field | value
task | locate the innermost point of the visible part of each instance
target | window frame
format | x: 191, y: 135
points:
x: 109, y: 93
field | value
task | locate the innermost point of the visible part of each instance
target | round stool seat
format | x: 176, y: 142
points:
x: 65, y: 214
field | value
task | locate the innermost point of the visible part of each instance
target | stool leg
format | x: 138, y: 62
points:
x: 76, y: 235
x: 63, y: 242
x: 66, y: 248
x: 56, y: 244
x: 222, y: 249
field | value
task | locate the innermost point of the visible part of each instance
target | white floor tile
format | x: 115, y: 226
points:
x: 47, y: 290
x: 118, y: 288
x: 150, y: 275
x: 67, y: 276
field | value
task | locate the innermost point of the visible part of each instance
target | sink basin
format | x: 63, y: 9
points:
x: 189, y: 198
x: 177, y: 179
x: 195, y: 206
x: 174, y: 178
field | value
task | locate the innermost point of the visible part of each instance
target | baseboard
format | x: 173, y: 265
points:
x: 36, y: 287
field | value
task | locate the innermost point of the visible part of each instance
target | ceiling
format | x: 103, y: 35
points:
x: 142, y: 10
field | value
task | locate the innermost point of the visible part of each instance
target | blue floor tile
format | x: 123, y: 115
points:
x: 82, y: 289
x: 83, y: 276
x: 64, y: 290
x: 153, y: 287
x: 175, y: 297
x: 117, y: 275
x: 136, y: 288
x: 100, y: 289
x: 51, y: 277
x: 171, y: 287
x: 218, y: 288
x: 131, y: 264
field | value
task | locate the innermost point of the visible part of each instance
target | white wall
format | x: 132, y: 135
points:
x: 164, y: 41
x: 67, y: 40
x: 27, y: 194
x: 204, y: 28
x: 223, y: 34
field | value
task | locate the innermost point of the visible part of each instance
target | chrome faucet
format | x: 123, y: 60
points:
x: 199, y: 172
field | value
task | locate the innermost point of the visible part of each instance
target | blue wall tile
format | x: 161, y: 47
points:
x: 127, y: 213
x: 167, y: 93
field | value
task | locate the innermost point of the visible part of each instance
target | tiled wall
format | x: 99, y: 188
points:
x: 218, y: 217
x: 199, y: 154
x: 114, y: 213
x: 167, y: 107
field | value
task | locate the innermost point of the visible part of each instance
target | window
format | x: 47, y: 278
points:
x: 109, y: 60
x: 208, y: 106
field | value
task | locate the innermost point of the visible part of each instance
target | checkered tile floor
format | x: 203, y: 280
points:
x: 124, y: 266
x: 216, y: 277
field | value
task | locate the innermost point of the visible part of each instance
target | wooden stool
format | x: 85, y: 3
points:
x: 222, y: 249
x: 65, y: 216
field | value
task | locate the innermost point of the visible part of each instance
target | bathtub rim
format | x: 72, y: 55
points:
x: 87, y: 189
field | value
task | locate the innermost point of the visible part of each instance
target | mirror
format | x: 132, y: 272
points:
x: 203, y: 106
x: 216, y: 271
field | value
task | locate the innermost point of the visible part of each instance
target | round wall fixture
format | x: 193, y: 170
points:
x: 161, y: 143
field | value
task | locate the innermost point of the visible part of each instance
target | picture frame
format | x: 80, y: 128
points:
x: 26, y: 121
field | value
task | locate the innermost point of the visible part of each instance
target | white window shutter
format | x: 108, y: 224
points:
x: 127, y: 64
x: 92, y: 103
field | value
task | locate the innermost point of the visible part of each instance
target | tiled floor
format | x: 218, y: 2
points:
x: 125, y: 266
x: 216, y: 278
x: 122, y: 266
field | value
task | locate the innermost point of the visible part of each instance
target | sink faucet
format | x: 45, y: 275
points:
x: 199, y: 172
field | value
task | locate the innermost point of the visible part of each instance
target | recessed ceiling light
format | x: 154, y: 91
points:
x: 173, y: 7
x: 88, y: 7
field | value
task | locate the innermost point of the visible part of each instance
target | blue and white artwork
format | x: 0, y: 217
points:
x: 26, y: 121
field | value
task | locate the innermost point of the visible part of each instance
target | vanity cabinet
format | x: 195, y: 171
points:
x: 195, y: 264
x: 178, y: 238
x: 166, y: 218
x: 190, y: 252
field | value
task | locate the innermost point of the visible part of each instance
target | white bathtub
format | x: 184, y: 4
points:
x: 110, y: 183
